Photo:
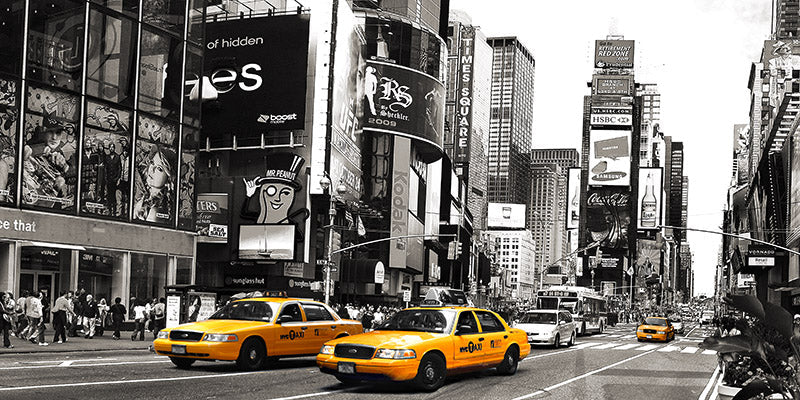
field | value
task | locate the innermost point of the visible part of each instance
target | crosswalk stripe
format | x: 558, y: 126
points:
x: 690, y: 349
x: 627, y: 346
x: 600, y: 335
x: 667, y: 349
x: 585, y: 345
x: 605, y: 346
x: 709, y: 352
x: 647, y: 347
x: 614, y: 335
x: 628, y: 337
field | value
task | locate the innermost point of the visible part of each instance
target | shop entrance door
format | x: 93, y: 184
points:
x: 33, y: 281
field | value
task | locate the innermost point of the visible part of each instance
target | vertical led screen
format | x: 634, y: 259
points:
x: 9, y: 128
x: 649, y: 203
x: 49, y: 156
x: 609, y: 157
x: 608, y: 217
x: 464, y: 78
x: 106, y: 152
x: 794, y: 192
x: 186, y: 193
x: 573, y: 198
x: 155, y: 171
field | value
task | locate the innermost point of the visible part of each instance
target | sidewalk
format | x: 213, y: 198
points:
x: 78, y: 344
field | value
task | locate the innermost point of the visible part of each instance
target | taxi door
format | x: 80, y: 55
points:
x: 292, y: 332
x: 468, y: 342
x: 322, y: 326
x: 496, y: 338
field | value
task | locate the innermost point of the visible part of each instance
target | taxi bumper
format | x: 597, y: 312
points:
x: 651, y: 336
x: 373, y: 369
x: 226, y: 351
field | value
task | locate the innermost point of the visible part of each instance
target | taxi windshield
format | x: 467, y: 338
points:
x: 247, y: 311
x: 437, y: 321
x: 538, y: 318
x: 655, y: 321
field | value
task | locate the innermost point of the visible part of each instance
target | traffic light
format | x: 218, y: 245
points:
x: 458, y: 249
x: 336, y: 240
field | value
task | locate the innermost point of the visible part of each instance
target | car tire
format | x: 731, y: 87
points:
x: 182, y: 363
x: 557, y: 341
x: 571, y: 340
x: 639, y: 339
x: 510, y: 362
x: 583, y: 328
x: 347, y: 381
x: 251, y: 355
x: 431, y: 373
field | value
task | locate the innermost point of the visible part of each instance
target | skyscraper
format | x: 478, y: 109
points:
x: 546, y: 180
x: 511, y: 121
x: 651, y: 119
x: 786, y: 19
x: 675, y: 176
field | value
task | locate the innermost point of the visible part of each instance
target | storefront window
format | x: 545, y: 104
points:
x: 100, y: 274
x: 11, y: 25
x: 183, y: 272
x: 44, y: 268
x: 105, y: 169
x: 9, y: 124
x: 160, y: 74
x: 167, y: 14
x: 155, y: 171
x: 127, y: 7
x: 111, y: 60
x: 148, y: 277
x: 192, y: 94
x: 49, y: 156
x: 186, y: 211
x: 55, y: 43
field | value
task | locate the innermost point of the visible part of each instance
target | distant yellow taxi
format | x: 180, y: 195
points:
x: 255, y: 330
x: 655, y: 328
x: 425, y: 344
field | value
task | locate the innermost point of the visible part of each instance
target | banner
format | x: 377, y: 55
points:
x: 200, y: 306
x: 257, y: 67
x: 105, y: 161
x: 616, y: 85
x: 648, y: 258
x: 650, y: 201
x: 608, y: 217
x: 609, y: 157
x: 741, y: 153
x: 464, y: 95
x: 506, y: 215
x: 398, y: 248
x: 402, y: 101
x: 9, y: 133
x: 212, y: 217
x: 573, y: 198
x: 155, y: 171
x: 613, y: 53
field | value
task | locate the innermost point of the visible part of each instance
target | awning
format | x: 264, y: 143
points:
x: 785, y: 286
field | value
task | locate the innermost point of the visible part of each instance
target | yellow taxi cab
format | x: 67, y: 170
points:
x: 255, y: 330
x: 425, y: 344
x: 655, y: 328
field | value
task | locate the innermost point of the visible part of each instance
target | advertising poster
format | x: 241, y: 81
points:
x: 612, y: 85
x: 506, y: 215
x: 189, y: 143
x: 105, y: 161
x: 9, y: 128
x: 398, y: 249
x: 648, y: 258
x: 200, y: 306
x: 613, y: 53
x: 50, y: 150
x: 212, y: 217
x: 155, y: 171
x: 741, y: 143
x: 173, y: 311
x: 780, y: 58
x: 608, y: 287
x: 348, y: 89
x: 573, y: 198
x: 405, y: 102
x: 464, y: 78
x: 609, y: 157
x: 260, y: 81
x: 649, y: 203
x: 608, y: 217
x: 266, y: 242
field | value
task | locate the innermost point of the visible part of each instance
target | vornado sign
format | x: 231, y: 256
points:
x: 464, y: 95
x: 260, y: 81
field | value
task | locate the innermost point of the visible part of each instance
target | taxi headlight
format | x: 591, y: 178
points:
x: 402, y: 354
x: 640, y: 330
x: 220, y: 337
x: 326, y: 350
x: 162, y: 335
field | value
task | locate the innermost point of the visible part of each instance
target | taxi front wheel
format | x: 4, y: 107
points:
x: 431, y: 373
x: 510, y: 362
x: 251, y: 355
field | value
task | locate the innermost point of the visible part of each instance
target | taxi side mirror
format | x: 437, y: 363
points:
x: 285, y: 318
x: 465, y: 329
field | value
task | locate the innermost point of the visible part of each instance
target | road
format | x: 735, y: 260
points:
x: 612, y: 365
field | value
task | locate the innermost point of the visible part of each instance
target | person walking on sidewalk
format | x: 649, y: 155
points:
x: 159, y: 317
x: 5, y: 320
x: 28, y: 309
x: 118, y: 313
x: 34, y: 307
x: 90, y: 314
x: 61, y: 312
x: 22, y: 319
x: 139, y: 318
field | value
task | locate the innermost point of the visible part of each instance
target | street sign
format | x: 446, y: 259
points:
x: 406, y: 295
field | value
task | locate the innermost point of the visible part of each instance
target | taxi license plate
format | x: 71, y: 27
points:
x: 649, y: 336
x: 530, y: 338
x: 347, y: 368
x: 178, y: 349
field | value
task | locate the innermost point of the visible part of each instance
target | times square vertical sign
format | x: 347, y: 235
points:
x: 466, y: 62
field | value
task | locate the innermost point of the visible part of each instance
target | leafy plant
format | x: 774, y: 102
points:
x: 763, y: 357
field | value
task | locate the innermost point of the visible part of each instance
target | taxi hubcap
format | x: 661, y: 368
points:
x: 253, y: 354
x: 430, y: 373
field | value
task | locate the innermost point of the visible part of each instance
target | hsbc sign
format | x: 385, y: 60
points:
x: 612, y: 119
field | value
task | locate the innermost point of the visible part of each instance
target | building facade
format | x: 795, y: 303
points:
x: 515, y: 252
x: 547, y: 180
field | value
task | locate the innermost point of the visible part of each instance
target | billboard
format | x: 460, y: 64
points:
x: 506, y: 215
x: 612, y: 85
x: 573, y: 198
x: 260, y: 81
x: 613, y: 116
x: 266, y: 242
x: 402, y: 101
x: 464, y: 78
x: 613, y: 53
x: 648, y: 258
x: 9, y: 123
x: 650, y: 198
x: 399, y: 219
x: 609, y: 157
x: 794, y: 192
x: 212, y: 217
x: 741, y: 143
x: 780, y: 58
x: 608, y: 217
x: 155, y: 171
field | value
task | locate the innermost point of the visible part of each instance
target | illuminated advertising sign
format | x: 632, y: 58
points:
x: 260, y: 82
x: 613, y: 53
x: 612, y: 85
x: 794, y: 192
x: 649, y: 202
x: 574, y: 198
x: 608, y: 217
x: 402, y: 101
x: 399, y: 195
x: 505, y: 215
x: 464, y: 77
x: 648, y: 258
x: 609, y: 157
x: 615, y: 116
x: 741, y: 142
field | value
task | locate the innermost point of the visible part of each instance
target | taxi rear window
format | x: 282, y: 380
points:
x: 247, y: 311
x: 437, y: 321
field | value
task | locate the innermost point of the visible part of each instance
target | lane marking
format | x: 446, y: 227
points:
x: 69, y: 364
x: 690, y: 349
x: 600, y: 335
x: 303, y: 396
x: 710, y: 384
x: 177, y: 378
x: 585, y: 345
x: 549, y: 354
x: 605, y: 346
x: 647, y: 347
x: 568, y: 381
x: 669, y: 348
x: 712, y: 352
x: 627, y: 346
x: 614, y: 335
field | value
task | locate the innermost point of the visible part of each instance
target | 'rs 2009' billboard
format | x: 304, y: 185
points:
x: 257, y: 67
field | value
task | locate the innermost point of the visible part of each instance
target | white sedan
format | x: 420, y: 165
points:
x: 548, y: 327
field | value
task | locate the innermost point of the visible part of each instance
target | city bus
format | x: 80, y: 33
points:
x: 588, y: 308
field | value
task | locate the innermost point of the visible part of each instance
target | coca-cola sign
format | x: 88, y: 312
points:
x: 610, y: 199
x: 608, y: 217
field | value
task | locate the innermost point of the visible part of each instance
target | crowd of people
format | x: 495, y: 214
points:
x: 370, y: 315
x: 75, y: 313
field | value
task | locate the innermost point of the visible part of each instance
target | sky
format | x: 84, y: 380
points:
x: 698, y: 52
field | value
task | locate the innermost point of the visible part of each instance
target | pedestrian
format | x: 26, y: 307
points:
x: 77, y: 309
x: 22, y: 319
x: 90, y: 314
x: 5, y: 322
x: 34, y: 306
x: 11, y: 305
x: 138, y: 318
x: 148, y: 316
x: 102, y: 311
x: 118, y: 313
x: 28, y: 309
x: 60, y: 313
x: 159, y: 316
